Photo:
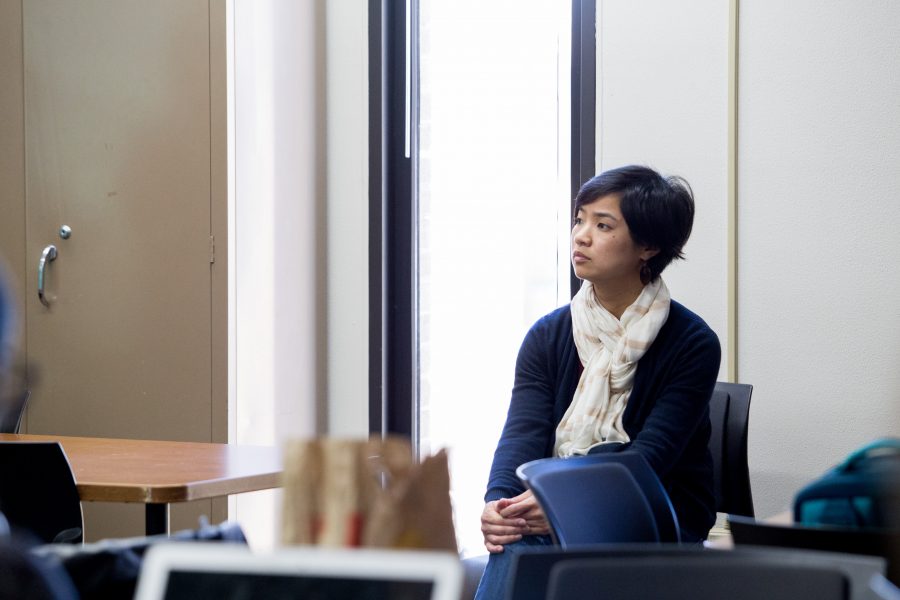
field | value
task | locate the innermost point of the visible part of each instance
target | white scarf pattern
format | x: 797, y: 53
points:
x: 609, y: 350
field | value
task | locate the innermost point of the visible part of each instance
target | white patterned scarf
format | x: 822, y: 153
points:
x: 609, y: 350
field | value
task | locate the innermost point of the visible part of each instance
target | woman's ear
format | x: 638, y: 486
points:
x: 648, y: 252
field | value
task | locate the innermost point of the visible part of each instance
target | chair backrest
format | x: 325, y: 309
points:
x: 697, y: 575
x: 729, y: 415
x: 11, y: 410
x: 38, y: 492
x: 870, y: 542
x: 575, y: 495
x: 532, y: 568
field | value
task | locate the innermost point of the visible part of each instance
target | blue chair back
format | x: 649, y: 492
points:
x: 602, y: 498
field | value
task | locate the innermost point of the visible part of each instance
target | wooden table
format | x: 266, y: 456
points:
x: 156, y: 473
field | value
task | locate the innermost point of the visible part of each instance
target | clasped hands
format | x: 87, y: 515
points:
x: 506, y: 520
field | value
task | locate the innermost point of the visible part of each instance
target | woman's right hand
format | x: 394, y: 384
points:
x: 498, y: 530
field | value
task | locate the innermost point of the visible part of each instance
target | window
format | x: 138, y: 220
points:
x: 486, y: 222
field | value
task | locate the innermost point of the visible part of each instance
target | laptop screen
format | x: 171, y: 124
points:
x: 198, y: 571
x: 194, y: 585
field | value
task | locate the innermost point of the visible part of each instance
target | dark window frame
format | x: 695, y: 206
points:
x: 584, y: 102
x: 393, y: 212
x: 393, y: 269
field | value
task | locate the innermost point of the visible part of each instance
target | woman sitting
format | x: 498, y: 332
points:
x: 621, y: 367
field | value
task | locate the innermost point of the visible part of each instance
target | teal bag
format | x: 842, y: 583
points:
x: 861, y: 492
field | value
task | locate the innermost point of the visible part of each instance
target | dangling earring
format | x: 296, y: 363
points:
x: 646, y: 274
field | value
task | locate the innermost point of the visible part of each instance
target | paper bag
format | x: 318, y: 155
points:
x: 366, y: 493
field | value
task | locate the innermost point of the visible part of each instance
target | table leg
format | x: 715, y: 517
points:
x: 157, y: 519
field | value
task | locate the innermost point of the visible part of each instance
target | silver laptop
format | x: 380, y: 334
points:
x: 198, y: 571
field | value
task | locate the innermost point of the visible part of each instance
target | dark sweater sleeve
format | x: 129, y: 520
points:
x: 681, y: 405
x: 529, y: 423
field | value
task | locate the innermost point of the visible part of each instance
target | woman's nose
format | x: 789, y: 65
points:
x: 580, y: 237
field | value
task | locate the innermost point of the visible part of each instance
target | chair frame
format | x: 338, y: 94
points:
x: 729, y: 412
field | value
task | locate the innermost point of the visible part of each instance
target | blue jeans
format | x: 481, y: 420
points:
x: 495, y: 581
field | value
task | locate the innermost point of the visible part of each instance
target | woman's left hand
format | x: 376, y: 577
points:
x: 525, y: 506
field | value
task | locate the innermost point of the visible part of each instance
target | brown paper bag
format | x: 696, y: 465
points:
x: 366, y: 493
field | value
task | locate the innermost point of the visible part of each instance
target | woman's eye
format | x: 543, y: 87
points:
x: 602, y: 226
x: 576, y: 221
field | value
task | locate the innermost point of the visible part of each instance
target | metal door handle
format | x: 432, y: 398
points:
x: 48, y: 255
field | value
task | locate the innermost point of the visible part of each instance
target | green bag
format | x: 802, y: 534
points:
x: 861, y: 492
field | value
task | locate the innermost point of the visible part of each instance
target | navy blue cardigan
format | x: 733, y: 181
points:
x: 667, y: 417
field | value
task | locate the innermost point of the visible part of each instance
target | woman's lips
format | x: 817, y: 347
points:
x: 578, y: 257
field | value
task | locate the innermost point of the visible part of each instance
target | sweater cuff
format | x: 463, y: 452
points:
x: 497, y: 493
x: 608, y: 448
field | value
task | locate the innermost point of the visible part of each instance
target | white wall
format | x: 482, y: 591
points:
x: 819, y: 278
x: 818, y: 329
x: 276, y: 111
x: 662, y: 100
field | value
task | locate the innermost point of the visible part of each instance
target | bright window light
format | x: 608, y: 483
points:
x: 493, y: 218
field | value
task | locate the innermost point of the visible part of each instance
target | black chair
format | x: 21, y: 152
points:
x: 729, y: 415
x: 38, y: 493
x: 575, y: 495
x: 533, y: 569
x: 696, y: 575
x: 869, y: 542
x: 530, y: 573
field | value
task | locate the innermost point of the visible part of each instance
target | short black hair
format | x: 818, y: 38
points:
x: 659, y: 210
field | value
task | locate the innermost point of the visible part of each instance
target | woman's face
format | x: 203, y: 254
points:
x: 603, y: 251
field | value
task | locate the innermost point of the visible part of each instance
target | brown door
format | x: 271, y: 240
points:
x: 118, y: 149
